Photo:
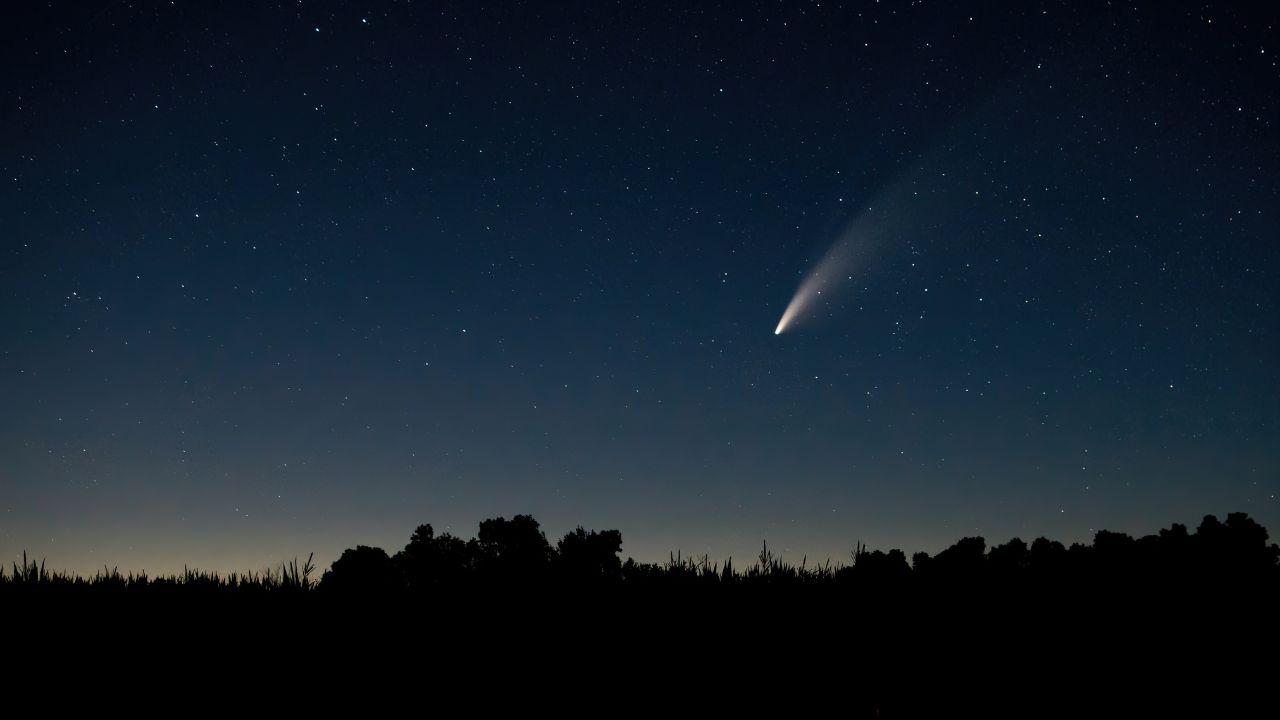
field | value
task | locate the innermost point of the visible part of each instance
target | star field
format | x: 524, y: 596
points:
x: 287, y: 277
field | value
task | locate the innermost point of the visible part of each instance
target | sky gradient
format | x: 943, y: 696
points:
x: 285, y: 278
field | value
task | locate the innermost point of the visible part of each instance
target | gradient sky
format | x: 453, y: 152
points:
x: 278, y: 278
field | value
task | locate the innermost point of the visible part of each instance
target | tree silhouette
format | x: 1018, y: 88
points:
x: 1010, y: 560
x: 430, y: 561
x: 514, y: 550
x: 589, y: 557
x: 1046, y: 559
x: 963, y: 561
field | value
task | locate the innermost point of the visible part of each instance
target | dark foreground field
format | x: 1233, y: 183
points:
x: 1177, y: 624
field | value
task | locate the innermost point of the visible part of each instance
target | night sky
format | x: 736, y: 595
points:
x: 287, y: 277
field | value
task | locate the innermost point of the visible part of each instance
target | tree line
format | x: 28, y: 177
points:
x: 1234, y: 554
x: 517, y: 551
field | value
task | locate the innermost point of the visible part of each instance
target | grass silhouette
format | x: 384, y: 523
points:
x: 29, y: 576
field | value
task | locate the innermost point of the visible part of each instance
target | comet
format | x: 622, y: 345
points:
x: 916, y: 207
x: 836, y: 267
x: 820, y: 279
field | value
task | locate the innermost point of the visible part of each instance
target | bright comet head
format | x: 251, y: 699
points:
x: 786, y: 317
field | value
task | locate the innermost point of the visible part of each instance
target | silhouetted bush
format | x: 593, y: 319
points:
x: 363, y: 569
x: 872, y: 568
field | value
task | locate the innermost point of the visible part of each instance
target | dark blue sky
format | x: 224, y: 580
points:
x: 282, y: 278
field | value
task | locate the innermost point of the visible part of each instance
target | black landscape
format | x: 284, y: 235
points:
x: 885, y: 358
x: 1216, y: 558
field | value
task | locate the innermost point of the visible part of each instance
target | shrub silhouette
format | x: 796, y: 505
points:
x: 875, y: 568
x: 362, y: 569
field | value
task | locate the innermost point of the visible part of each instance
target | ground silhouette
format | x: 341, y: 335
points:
x: 1222, y: 557
x: 1017, y: 629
